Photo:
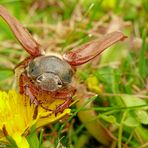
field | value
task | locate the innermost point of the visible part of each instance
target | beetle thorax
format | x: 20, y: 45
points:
x: 49, y: 72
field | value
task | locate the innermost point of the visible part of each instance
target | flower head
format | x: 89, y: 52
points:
x: 17, y: 115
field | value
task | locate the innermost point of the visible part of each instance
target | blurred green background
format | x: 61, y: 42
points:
x: 119, y: 76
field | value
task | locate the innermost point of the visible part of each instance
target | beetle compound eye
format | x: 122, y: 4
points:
x: 33, y: 70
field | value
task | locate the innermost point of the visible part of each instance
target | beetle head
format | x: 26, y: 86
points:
x: 49, y: 72
x: 49, y: 81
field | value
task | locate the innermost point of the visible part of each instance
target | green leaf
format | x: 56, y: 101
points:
x: 12, y: 142
x: 41, y: 138
x: 110, y: 119
x: 33, y: 140
x: 130, y: 100
x: 131, y: 122
x: 142, y: 116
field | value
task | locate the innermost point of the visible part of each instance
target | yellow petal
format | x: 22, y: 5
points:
x: 20, y: 141
x: 17, y: 114
x: 51, y: 118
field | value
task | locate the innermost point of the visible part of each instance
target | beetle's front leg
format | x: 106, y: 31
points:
x: 63, y: 106
x: 65, y: 94
x: 28, y: 89
x: 29, y: 92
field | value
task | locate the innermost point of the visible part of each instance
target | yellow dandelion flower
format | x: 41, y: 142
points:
x: 17, y: 115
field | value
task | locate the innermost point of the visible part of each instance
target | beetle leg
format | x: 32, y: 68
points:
x: 65, y: 94
x: 63, y: 106
x: 22, y: 81
x: 35, y: 112
x: 68, y: 92
x: 46, y: 108
x: 28, y: 89
x: 29, y: 93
